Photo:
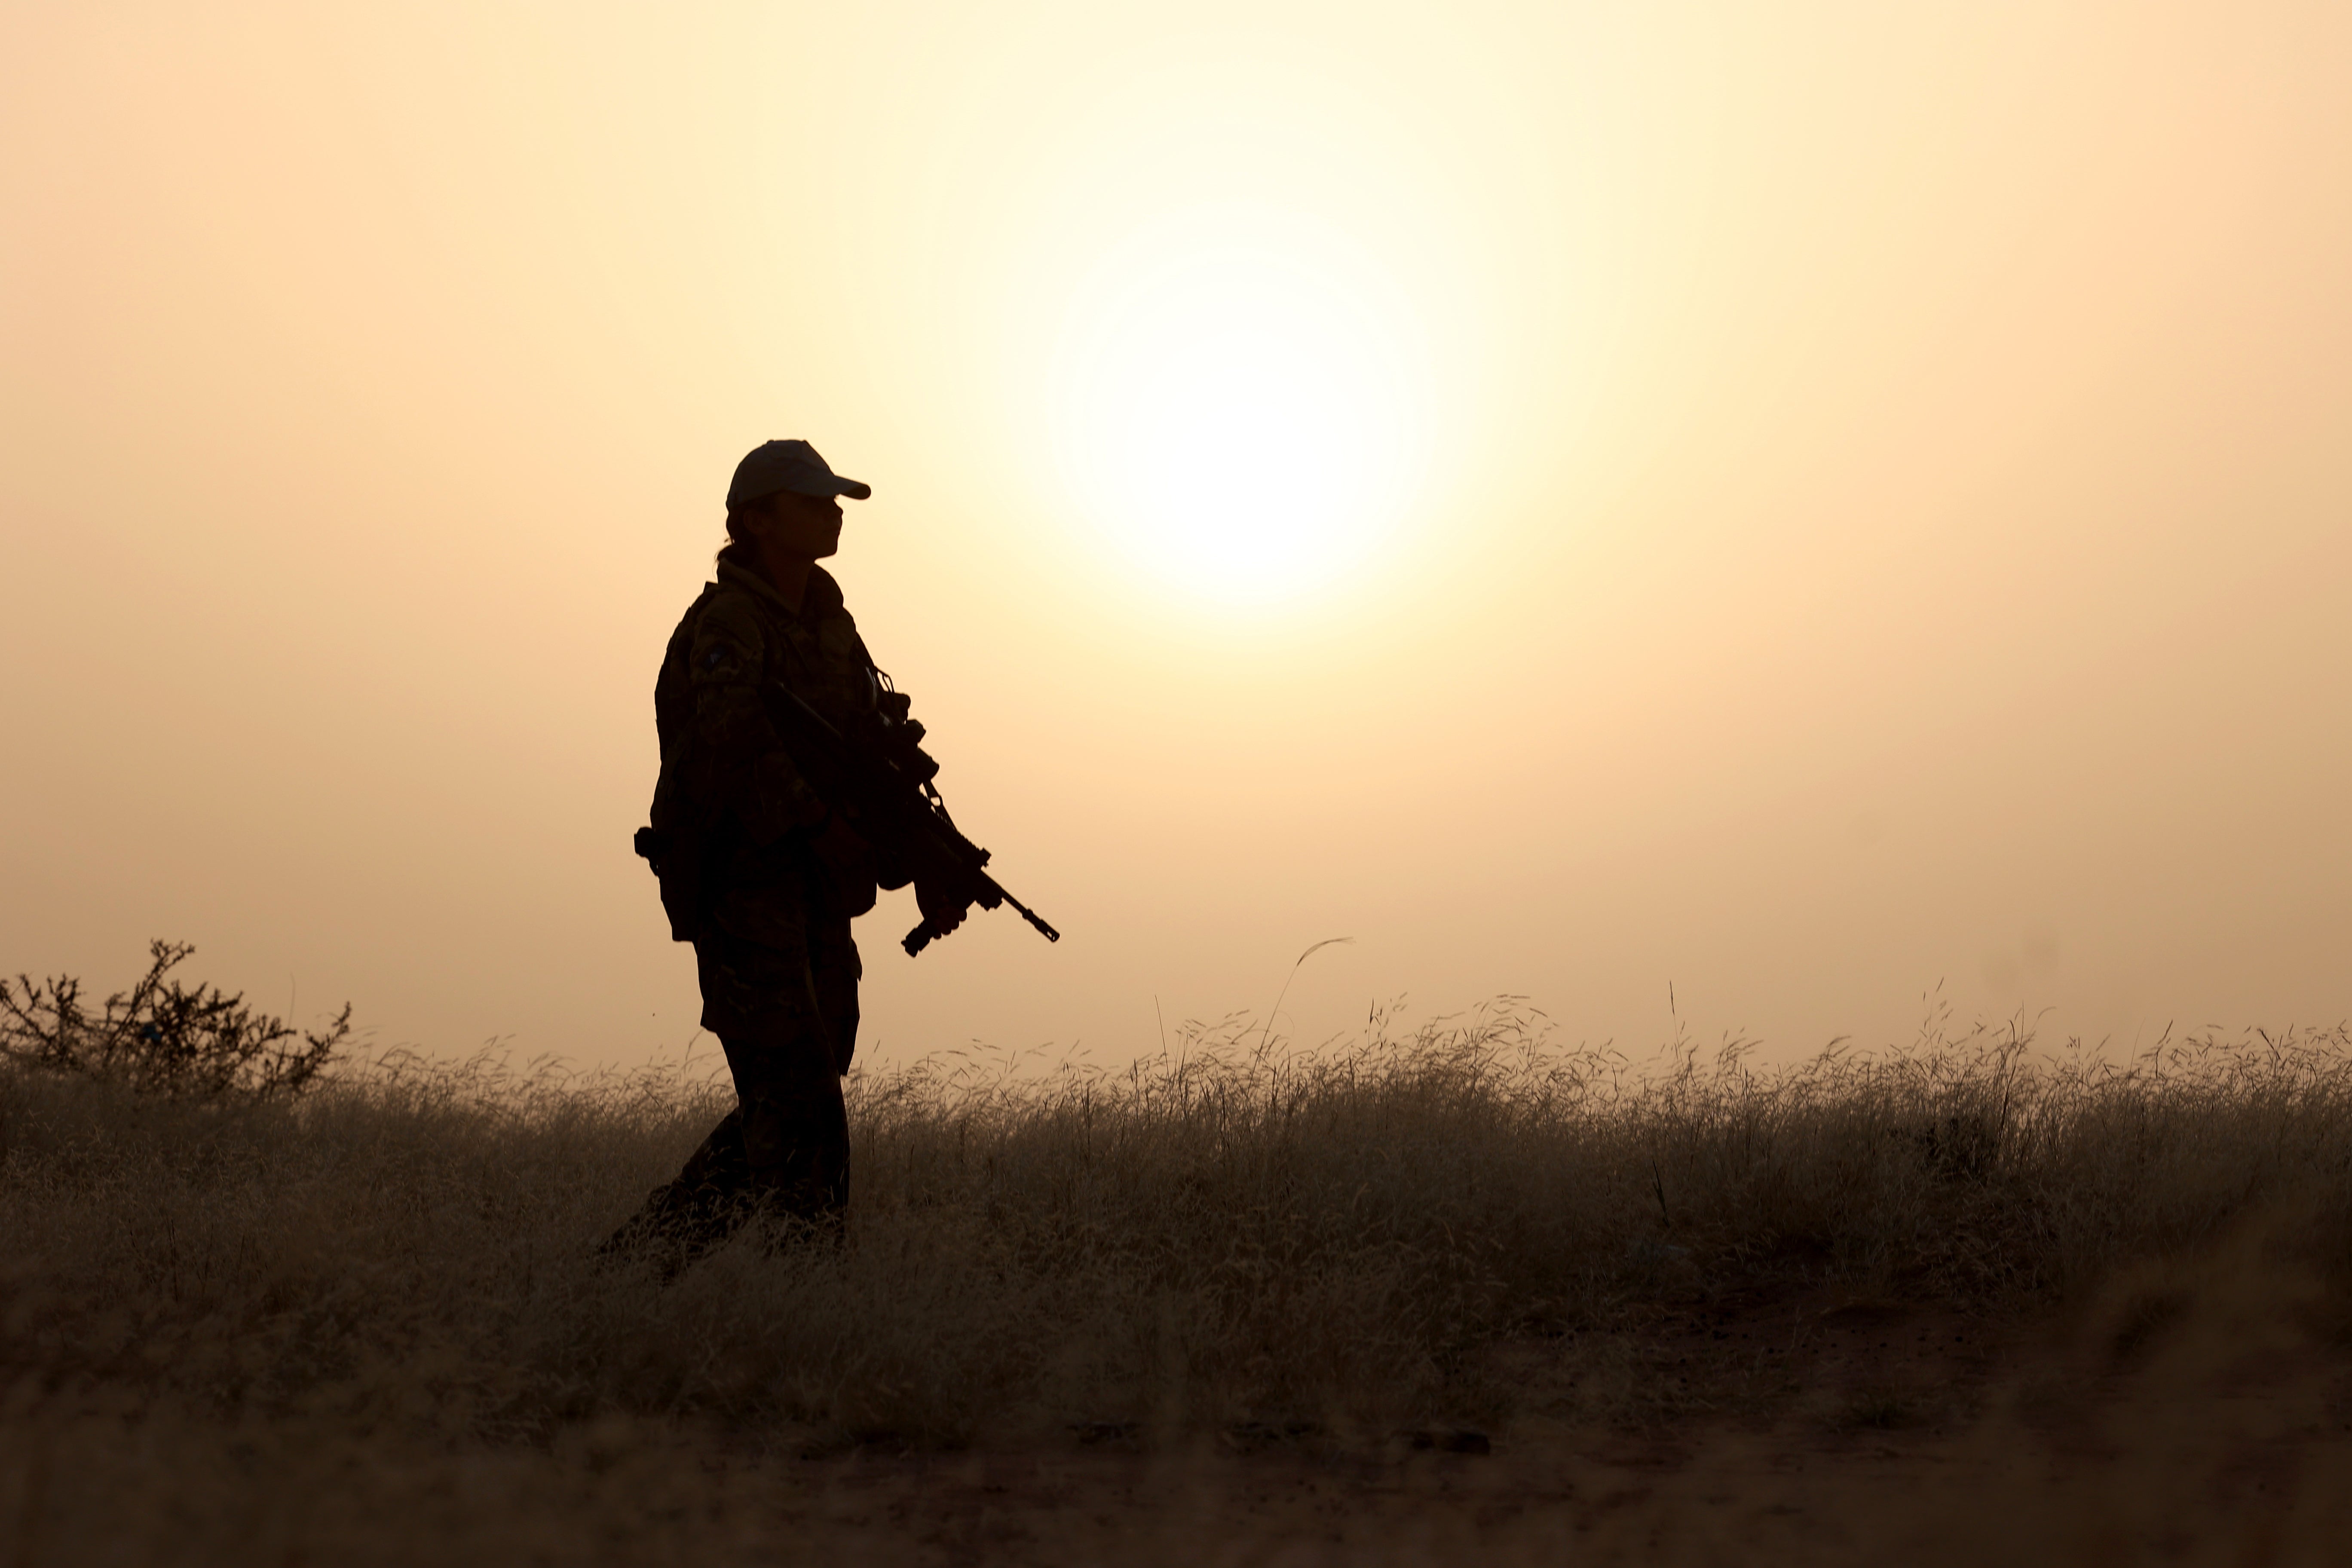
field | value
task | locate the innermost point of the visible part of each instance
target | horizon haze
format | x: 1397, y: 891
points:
x: 1816, y: 507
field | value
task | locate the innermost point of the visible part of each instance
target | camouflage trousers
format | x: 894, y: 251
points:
x: 779, y: 977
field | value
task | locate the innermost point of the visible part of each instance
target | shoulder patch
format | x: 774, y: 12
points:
x: 727, y: 641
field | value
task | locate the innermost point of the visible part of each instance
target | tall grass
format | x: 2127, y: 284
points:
x: 1379, y: 1234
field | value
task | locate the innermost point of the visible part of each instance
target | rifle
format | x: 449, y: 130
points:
x: 879, y: 777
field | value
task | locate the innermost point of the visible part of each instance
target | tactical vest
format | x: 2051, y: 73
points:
x: 695, y: 847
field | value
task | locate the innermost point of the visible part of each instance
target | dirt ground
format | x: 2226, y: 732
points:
x: 2177, y: 1419
x: 2162, y: 1426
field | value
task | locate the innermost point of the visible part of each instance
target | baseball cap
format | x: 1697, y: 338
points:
x: 793, y: 466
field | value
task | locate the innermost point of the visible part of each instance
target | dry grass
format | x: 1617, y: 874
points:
x: 382, y: 1295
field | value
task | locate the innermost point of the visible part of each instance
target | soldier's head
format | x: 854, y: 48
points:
x: 786, y: 498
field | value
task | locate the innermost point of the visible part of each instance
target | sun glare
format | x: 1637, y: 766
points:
x: 1241, y: 405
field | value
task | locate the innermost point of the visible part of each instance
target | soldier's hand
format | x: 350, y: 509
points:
x: 942, y: 912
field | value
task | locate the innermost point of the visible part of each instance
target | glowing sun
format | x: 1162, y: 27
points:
x: 1242, y: 405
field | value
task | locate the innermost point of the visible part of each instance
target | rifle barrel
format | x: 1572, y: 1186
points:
x: 1034, y: 917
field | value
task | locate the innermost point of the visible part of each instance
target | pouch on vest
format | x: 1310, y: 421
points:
x: 679, y: 868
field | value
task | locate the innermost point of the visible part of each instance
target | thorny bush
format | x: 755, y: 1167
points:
x: 164, y: 1036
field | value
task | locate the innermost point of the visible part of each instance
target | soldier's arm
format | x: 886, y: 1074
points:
x: 751, y: 773
x: 943, y: 904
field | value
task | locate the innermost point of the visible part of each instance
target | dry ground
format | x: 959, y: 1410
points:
x: 1409, y: 1298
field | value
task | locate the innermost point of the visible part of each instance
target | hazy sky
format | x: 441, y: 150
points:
x: 1803, y: 502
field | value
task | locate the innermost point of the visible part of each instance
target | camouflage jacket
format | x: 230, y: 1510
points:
x: 733, y: 813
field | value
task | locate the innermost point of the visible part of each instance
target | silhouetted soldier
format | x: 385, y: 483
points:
x: 757, y: 871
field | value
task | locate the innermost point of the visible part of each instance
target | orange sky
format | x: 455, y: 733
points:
x: 1801, y: 503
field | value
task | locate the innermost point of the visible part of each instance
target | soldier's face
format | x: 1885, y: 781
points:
x: 805, y: 525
